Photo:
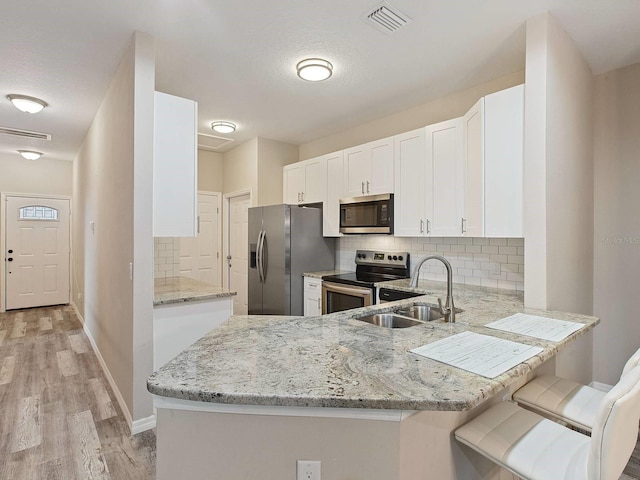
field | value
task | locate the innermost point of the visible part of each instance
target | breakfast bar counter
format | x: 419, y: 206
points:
x: 337, y: 372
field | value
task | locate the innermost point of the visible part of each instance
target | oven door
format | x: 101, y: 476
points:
x: 337, y: 297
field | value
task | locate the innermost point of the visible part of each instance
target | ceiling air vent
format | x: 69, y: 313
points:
x: 25, y: 133
x: 211, y: 142
x: 386, y: 18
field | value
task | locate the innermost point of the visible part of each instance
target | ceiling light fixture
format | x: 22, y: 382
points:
x: 30, y: 154
x: 223, y: 127
x: 314, y: 69
x: 27, y: 104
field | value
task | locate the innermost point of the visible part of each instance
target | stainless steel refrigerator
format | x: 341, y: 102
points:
x: 285, y: 241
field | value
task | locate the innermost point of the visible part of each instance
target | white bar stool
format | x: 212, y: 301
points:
x: 535, y: 448
x: 566, y: 400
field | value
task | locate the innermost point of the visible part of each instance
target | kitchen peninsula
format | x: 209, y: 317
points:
x: 252, y: 397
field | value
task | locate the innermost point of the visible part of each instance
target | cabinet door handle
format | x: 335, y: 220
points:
x: 464, y: 229
x: 198, y: 224
x: 367, y: 187
x: 303, y: 196
x: 362, y: 187
x: 428, y: 226
x: 320, y: 304
x: 421, y: 226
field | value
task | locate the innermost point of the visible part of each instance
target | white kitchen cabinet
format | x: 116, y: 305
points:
x: 472, y: 219
x: 410, y: 207
x: 428, y: 181
x: 312, y: 296
x: 305, y: 182
x: 335, y: 191
x: 175, y: 166
x: 493, y: 165
x: 503, y: 163
x: 445, y: 196
x: 368, y: 168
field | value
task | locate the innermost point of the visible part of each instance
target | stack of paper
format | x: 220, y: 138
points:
x: 480, y: 354
x: 538, y: 327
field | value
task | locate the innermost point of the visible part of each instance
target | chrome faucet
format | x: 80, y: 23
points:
x: 449, y: 310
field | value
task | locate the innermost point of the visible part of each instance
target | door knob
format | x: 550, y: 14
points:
x: 10, y: 259
x: 10, y: 251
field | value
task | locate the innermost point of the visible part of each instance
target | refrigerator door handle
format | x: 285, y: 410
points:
x: 259, y: 255
x: 261, y: 264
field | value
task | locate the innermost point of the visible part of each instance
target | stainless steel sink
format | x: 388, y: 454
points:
x: 389, y: 320
x: 426, y: 313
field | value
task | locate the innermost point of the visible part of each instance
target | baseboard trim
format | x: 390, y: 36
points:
x: 143, y: 424
x: 107, y: 373
x: 603, y: 387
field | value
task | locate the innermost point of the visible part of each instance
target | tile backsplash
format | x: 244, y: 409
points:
x: 488, y: 262
x: 166, y: 257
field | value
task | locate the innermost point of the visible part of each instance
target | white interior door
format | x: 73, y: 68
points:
x: 37, y: 252
x: 200, y: 255
x: 238, y: 248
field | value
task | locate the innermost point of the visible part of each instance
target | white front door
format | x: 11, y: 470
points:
x: 37, y: 252
x: 200, y: 256
x: 238, y: 248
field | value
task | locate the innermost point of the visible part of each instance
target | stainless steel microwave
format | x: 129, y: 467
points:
x: 370, y: 214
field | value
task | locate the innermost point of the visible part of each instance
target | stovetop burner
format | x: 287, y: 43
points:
x: 373, y: 267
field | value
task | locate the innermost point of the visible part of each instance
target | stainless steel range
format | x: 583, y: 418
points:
x: 355, y: 290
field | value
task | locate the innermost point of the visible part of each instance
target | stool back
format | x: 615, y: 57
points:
x: 615, y: 431
x: 634, y: 361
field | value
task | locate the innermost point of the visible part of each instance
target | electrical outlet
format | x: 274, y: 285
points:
x: 308, y: 470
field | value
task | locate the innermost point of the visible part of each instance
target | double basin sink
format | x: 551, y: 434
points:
x: 406, y: 316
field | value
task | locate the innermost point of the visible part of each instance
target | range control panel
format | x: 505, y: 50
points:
x: 391, y: 259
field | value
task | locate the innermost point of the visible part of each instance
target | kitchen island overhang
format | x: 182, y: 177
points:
x: 332, y: 371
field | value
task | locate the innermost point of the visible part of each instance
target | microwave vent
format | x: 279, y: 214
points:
x: 386, y: 18
x: 25, y: 133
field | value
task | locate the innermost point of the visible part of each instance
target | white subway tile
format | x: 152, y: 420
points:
x: 474, y: 248
x: 508, y: 250
x: 465, y: 241
x: 498, y: 258
x: 491, y: 249
x: 473, y: 281
x: 443, y: 248
x: 515, y: 242
x: 516, y: 259
x: 506, y: 285
x: 480, y: 241
x: 514, y: 277
x: 520, y: 250
x: 497, y: 241
x: 481, y: 274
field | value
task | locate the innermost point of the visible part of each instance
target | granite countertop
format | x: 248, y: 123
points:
x: 337, y: 361
x: 183, y: 289
x: 324, y: 273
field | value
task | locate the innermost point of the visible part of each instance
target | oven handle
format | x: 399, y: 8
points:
x: 350, y: 290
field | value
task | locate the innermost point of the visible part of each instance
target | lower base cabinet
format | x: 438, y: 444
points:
x: 312, y: 296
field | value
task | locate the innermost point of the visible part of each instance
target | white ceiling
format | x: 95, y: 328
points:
x: 237, y: 58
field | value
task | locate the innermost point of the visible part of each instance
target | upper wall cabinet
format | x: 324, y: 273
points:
x: 429, y: 181
x: 503, y: 163
x: 493, y: 165
x: 175, y: 166
x: 368, y: 168
x: 335, y: 191
x: 305, y: 182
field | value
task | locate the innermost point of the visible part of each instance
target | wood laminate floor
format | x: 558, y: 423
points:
x: 59, y: 418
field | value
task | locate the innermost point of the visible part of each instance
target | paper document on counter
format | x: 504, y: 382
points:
x: 480, y: 354
x: 537, y: 327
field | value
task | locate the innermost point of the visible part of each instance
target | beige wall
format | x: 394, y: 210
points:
x: 617, y: 222
x: 444, y: 108
x: 241, y: 168
x: 558, y: 171
x: 44, y: 176
x: 272, y: 156
x: 40, y: 177
x: 112, y: 178
x: 210, y: 171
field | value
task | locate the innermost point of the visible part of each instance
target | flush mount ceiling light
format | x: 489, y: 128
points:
x: 314, y: 69
x: 27, y: 104
x: 223, y: 127
x: 30, y: 154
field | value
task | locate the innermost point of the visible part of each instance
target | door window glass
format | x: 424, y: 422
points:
x: 38, y: 212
